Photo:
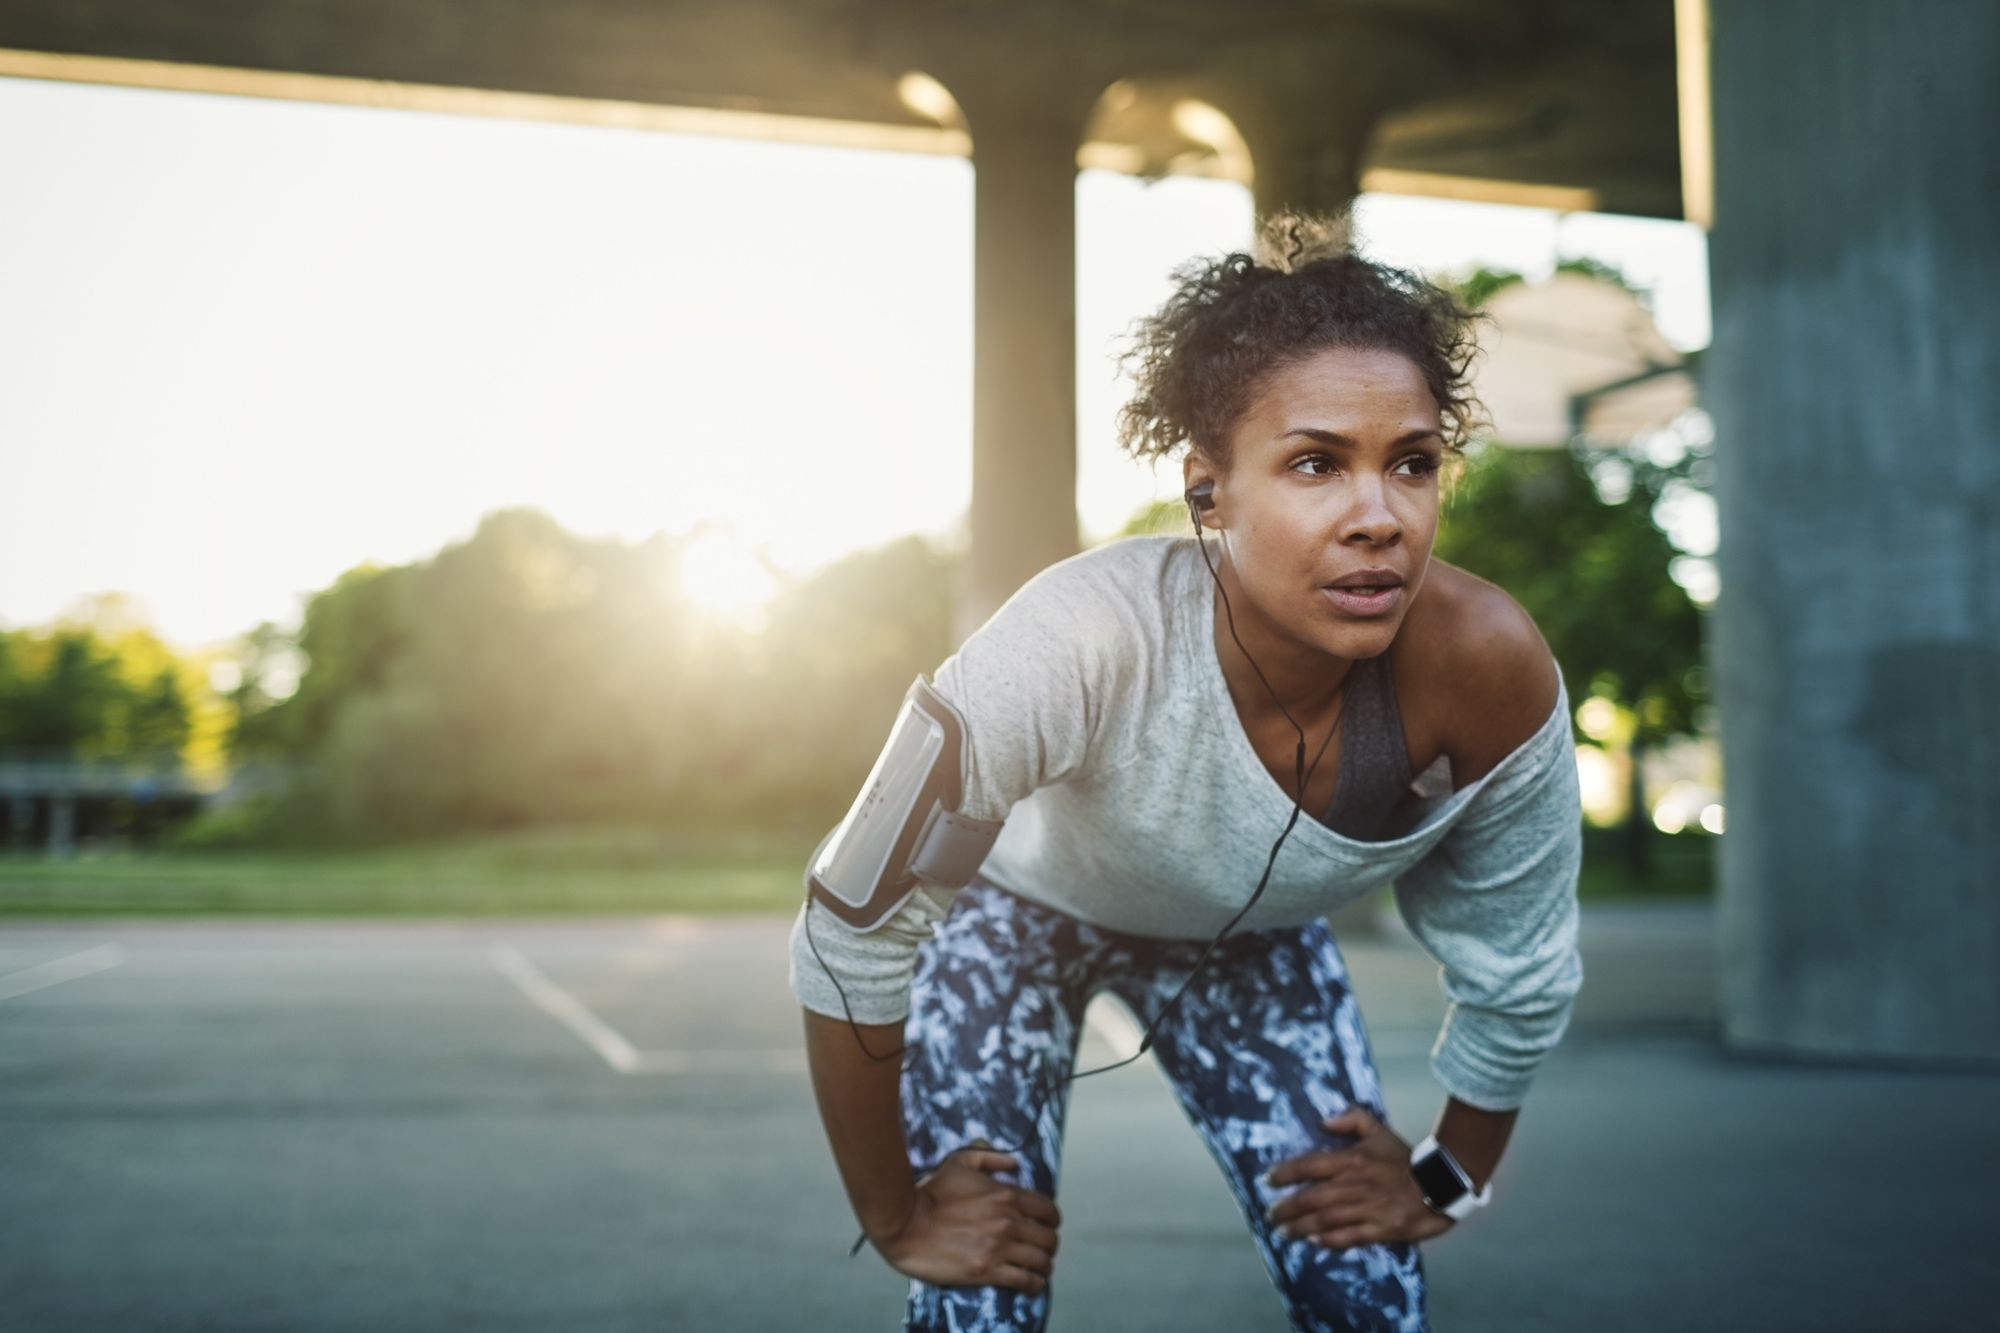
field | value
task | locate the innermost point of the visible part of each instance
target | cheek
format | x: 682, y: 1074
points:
x: 1420, y: 519
x: 1284, y: 531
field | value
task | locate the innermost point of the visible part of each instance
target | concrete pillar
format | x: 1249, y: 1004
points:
x: 1305, y: 110
x: 1311, y: 164
x: 1024, y: 341
x: 1857, y: 635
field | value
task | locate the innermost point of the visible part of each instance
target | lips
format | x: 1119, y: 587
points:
x: 1368, y: 578
x: 1365, y: 599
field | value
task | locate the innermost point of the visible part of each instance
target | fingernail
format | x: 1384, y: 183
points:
x: 1265, y: 1179
x: 1285, y: 1233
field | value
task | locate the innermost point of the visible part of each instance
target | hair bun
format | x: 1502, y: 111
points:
x: 1289, y: 239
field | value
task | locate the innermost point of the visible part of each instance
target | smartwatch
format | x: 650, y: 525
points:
x: 1446, y: 1186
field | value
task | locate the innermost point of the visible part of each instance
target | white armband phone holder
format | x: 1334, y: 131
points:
x: 904, y: 826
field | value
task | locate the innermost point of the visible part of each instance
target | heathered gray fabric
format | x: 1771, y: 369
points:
x: 1372, y: 795
x: 1101, y: 729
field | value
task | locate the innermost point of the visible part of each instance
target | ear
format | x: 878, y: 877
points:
x: 1195, y: 469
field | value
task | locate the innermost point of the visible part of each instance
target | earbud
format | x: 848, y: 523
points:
x: 1199, y: 498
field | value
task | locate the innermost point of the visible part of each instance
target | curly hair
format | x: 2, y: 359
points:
x: 1198, y: 361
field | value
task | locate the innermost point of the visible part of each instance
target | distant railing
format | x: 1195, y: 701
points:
x: 54, y: 774
x: 53, y: 798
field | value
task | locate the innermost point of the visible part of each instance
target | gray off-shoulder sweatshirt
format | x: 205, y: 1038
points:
x: 1101, y: 729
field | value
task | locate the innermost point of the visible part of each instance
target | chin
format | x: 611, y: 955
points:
x: 1358, y: 639
x: 1373, y: 643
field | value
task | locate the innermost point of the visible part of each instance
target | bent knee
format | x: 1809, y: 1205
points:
x: 1360, y: 1289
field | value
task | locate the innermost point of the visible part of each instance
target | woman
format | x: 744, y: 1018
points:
x: 1141, y: 716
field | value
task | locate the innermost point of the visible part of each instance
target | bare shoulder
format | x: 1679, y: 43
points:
x: 1484, y: 675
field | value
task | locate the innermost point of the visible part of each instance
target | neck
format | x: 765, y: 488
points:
x: 1307, y: 680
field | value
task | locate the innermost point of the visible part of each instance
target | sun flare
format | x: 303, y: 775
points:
x: 721, y: 574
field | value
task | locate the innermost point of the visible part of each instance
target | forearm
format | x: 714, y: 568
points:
x: 1475, y: 1137
x: 860, y: 1106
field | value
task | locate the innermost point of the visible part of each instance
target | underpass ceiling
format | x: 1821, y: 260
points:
x: 1472, y: 98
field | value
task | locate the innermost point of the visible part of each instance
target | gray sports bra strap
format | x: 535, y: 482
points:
x: 1374, y: 763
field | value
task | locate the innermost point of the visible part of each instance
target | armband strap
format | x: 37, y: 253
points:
x: 904, y: 825
x: 952, y: 846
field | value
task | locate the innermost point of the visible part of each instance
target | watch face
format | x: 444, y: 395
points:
x: 1437, y: 1180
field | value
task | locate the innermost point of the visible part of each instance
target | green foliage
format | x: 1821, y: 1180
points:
x: 86, y: 692
x: 1593, y: 575
x: 262, y: 820
x: 1159, y: 517
x: 531, y: 677
x: 838, y: 653
x: 1477, y: 287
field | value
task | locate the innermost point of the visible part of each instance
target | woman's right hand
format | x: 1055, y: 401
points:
x: 968, y: 1229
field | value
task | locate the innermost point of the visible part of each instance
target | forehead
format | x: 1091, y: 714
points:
x: 1340, y: 387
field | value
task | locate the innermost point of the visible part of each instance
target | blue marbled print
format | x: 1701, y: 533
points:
x: 1266, y: 1044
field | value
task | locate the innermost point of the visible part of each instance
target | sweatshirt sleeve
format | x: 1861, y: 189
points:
x: 1495, y: 904
x: 1033, y: 684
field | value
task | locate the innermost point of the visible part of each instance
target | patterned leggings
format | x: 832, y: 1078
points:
x: 1266, y: 1044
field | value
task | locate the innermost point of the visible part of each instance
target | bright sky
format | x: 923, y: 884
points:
x: 247, y: 344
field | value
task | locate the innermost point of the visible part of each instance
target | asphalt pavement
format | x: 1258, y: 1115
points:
x: 605, y: 1124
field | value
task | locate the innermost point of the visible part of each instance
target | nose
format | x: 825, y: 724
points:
x: 1368, y: 514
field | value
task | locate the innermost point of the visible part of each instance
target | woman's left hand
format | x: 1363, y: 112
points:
x: 1362, y: 1194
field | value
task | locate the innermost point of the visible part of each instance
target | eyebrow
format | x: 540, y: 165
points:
x: 1335, y: 438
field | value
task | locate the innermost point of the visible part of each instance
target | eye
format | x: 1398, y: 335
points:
x: 1322, y: 465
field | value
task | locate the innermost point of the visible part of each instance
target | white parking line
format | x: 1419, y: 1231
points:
x: 612, y: 1047
x: 1110, y: 1021
x: 58, y: 970
x: 565, y: 1008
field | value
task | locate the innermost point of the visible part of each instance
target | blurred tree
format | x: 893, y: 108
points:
x: 11, y: 687
x: 70, y: 704
x: 1593, y: 575
x: 842, y: 648
x: 98, y: 684
x: 1595, y: 578
x: 161, y: 718
x: 266, y: 674
x: 1161, y: 517
x: 527, y: 675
